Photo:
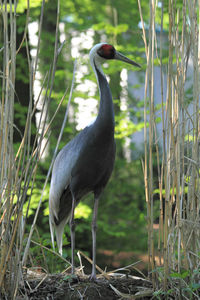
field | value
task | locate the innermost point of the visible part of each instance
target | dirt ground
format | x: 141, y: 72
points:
x: 64, y: 287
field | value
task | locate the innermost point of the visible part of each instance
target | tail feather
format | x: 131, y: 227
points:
x: 59, y: 229
x: 59, y: 216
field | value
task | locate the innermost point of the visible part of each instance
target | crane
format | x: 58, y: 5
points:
x: 85, y: 164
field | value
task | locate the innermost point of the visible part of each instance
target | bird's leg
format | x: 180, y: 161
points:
x: 72, y: 231
x: 94, y: 230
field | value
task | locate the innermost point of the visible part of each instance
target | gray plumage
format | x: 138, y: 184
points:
x: 85, y: 164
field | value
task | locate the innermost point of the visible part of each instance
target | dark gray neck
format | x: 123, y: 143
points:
x: 105, y: 116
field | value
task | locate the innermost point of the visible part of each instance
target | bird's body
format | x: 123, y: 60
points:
x: 89, y: 169
x: 85, y: 164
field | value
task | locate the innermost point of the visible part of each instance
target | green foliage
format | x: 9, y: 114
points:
x: 82, y: 211
x: 109, y: 29
x: 183, y: 275
x: 125, y: 127
x: 22, y: 5
x: 185, y: 280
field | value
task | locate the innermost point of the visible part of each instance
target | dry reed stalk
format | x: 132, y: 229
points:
x: 49, y: 171
x: 145, y: 164
x: 169, y: 151
x: 150, y: 68
x: 46, y: 100
x: 175, y: 231
x: 178, y: 171
x: 194, y: 206
x: 18, y: 174
x: 6, y: 150
x: 161, y: 179
x: 56, y: 54
x: 148, y: 163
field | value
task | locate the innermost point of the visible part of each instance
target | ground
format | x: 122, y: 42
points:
x: 64, y: 286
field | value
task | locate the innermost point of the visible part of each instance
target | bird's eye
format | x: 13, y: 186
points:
x: 106, y: 51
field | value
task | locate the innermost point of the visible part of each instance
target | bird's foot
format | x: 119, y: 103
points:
x: 93, y: 277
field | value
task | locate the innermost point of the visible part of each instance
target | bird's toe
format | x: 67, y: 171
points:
x: 93, y: 277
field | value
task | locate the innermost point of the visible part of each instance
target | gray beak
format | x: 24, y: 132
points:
x: 121, y: 57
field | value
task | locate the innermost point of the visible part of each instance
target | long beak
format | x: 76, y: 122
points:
x: 121, y: 57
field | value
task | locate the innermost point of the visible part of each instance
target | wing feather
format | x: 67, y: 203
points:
x: 59, y: 198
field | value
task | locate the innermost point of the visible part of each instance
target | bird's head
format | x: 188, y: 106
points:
x: 102, y: 52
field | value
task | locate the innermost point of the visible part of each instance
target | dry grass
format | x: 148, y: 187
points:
x: 18, y: 171
x: 177, y: 179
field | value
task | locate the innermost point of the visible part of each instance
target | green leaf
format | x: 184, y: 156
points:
x: 182, y: 275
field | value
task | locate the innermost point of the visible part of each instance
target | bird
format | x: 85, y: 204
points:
x: 84, y: 165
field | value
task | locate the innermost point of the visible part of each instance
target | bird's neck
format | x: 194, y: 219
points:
x: 105, y: 116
